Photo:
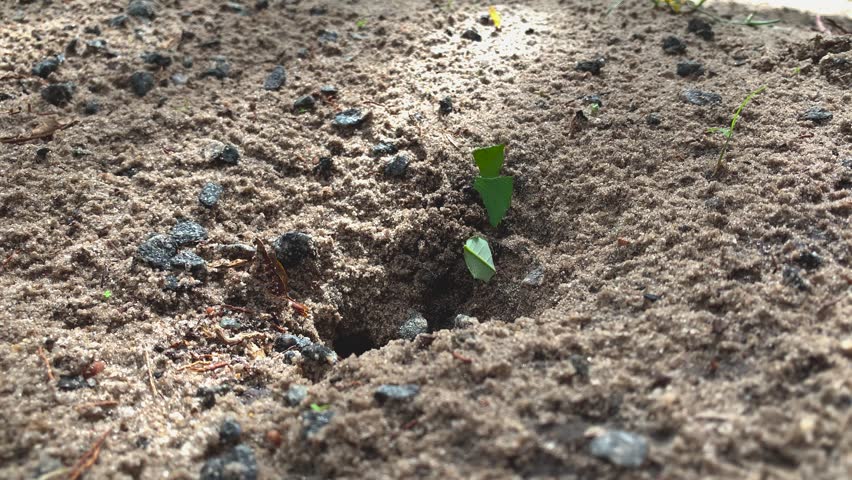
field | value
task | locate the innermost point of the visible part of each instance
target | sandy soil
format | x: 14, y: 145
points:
x: 709, y: 315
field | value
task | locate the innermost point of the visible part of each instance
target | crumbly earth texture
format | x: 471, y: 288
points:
x: 705, y: 313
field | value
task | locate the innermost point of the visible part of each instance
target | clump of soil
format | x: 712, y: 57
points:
x: 649, y: 318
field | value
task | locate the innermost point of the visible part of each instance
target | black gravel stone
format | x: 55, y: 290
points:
x: 141, y: 83
x: 47, y: 66
x: 328, y: 90
x: 190, y: 262
x: 142, y: 9
x: 158, y: 251
x: 308, y: 102
x: 700, y: 27
x: 118, y: 21
x: 224, y: 153
x: 293, y: 248
x: 471, y: 34
x: 651, y: 297
x: 350, y: 118
x: 92, y: 30
x: 697, y: 97
x: 91, y: 107
x: 210, y: 194
x: 580, y: 364
x: 591, y: 66
x: 58, y: 94
x: 690, y: 68
x: 69, y: 383
x: 261, y: 4
x: 230, y: 432
x: 593, y: 100
x: 791, y: 276
x: 621, y: 448
x: 327, y: 36
x: 288, y: 341
x: 238, y: 463
x: 319, y: 353
x: 817, y: 115
x: 318, y: 10
x: 158, y: 59
x: 809, y: 260
x: 445, y: 106
x: 186, y: 232
x: 653, y: 119
x: 313, y: 422
x: 324, y: 167
x: 397, y: 167
x: 674, y: 45
x: 276, y: 78
x: 397, y: 393
x: 220, y: 70
x: 383, y: 149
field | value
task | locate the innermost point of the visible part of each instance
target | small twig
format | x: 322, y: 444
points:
x: 88, y: 459
x: 151, y: 375
x: 821, y: 27
x: 54, y: 474
x: 409, y: 425
x: 102, y: 403
x: 8, y: 259
x: 41, y: 354
x: 462, y: 358
x: 46, y: 132
x: 238, y: 339
x: 237, y: 309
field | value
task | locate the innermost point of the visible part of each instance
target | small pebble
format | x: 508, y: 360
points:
x: 229, y: 323
x: 791, y: 276
x: 690, y: 68
x: 219, y: 70
x: 320, y: 353
x: 190, y: 262
x: 397, y: 167
x: 445, y: 106
x: 328, y: 90
x: 92, y: 30
x: 287, y: 341
x: 313, y: 422
x: 230, y: 432
x: 472, y: 35
x: 142, y: 9
x: 397, y: 393
x: 69, y: 383
x: 700, y: 27
x: 141, y: 83
x: 327, y: 36
x: 158, y: 251
x: 697, y: 97
x: 352, y: 117
x: 674, y: 45
x: 238, y: 463
x: 293, y: 248
x: 219, y: 152
x: 296, y: 394
x: 276, y: 78
x: 415, y: 325
x: 621, y: 448
x: 817, y: 115
x: 809, y: 260
x: 119, y: 21
x: 534, y: 278
x: 653, y: 119
x: 47, y: 66
x: 158, y: 59
x: 651, y: 297
x: 382, y: 149
x: 591, y: 66
x: 91, y: 107
x: 186, y: 232
x: 324, y: 167
x: 308, y: 102
x: 58, y: 94
x: 464, y: 321
x: 210, y: 194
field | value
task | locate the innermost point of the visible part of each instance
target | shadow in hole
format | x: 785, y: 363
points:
x: 347, y: 344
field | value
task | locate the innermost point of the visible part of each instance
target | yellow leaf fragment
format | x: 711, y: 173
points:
x: 495, y: 16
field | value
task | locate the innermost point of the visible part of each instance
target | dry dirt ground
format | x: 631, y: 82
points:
x: 707, y: 315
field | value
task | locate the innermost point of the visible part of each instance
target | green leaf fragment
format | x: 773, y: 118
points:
x: 319, y: 408
x: 496, y: 194
x: 477, y: 256
x: 489, y: 160
x: 107, y: 294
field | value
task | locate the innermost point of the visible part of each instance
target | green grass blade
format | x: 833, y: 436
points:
x: 496, y: 194
x: 489, y: 160
x: 477, y: 256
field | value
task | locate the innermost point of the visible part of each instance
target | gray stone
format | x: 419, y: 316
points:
x: 186, y: 232
x: 382, y: 149
x: 276, y: 78
x: 238, y: 463
x: 190, y: 262
x: 142, y: 9
x: 700, y: 27
x: 397, y: 167
x: 287, y: 341
x: 293, y: 248
x: 445, y: 106
x: 210, y: 194
x: 308, y: 102
x: 690, y: 68
x: 296, y: 394
x: 621, y: 448
x: 415, y: 325
x: 58, y: 94
x: 464, y: 321
x: 219, y: 152
x: 593, y: 66
x: 158, y: 251
x: 157, y: 58
x: 350, y: 118
x: 47, y: 66
x: 398, y: 393
x: 472, y: 35
x: 318, y: 353
x: 220, y: 70
x: 674, y: 45
x: 313, y: 422
x: 697, y: 97
x: 230, y: 432
x: 817, y: 115
x: 327, y: 36
x: 229, y: 323
x: 535, y: 277
x: 141, y: 83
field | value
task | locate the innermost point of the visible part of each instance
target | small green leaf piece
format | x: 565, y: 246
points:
x: 319, y: 408
x: 477, y: 256
x: 496, y: 194
x: 107, y: 294
x: 489, y: 160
